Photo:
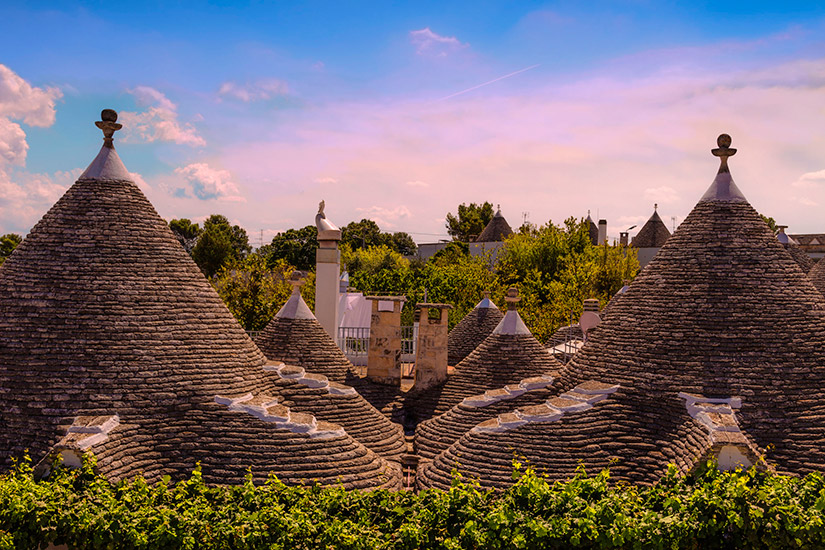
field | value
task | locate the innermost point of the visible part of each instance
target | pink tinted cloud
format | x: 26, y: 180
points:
x: 427, y: 42
x: 158, y: 122
x: 608, y: 142
x: 261, y: 90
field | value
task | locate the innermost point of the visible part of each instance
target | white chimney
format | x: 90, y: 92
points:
x: 327, y: 270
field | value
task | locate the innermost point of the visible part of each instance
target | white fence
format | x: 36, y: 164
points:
x: 355, y: 343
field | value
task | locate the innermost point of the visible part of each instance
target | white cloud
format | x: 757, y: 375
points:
x: 386, y: 217
x: 418, y: 183
x: 326, y: 180
x: 25, y: 200
x: 21, y: 101
x: 810, y: 180
x: 140, y: 182
x: 25, y: 196
x: 13, y: 146
x: 261, y: 90
x: 159, y: 122
x: 427, y: 42
x: 206, y: 182
x: 662, y: 194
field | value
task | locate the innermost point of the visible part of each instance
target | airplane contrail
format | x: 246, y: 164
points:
x: 490, y: 82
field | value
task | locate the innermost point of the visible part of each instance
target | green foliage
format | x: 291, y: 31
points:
x: 402, y: 243
x: 366, y: 234
x: 254, y: 290
x: 556, y: 268
x: 377, y: 269
x: 470, y: 222
x: 708, y: 510
x: 770, y: 221
x: 453, y: 277
x: 294, y: 246
x: 219, y: 244
x: 186, y: 232
x: 8, y: 243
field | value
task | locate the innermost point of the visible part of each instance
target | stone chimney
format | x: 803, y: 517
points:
x: 384, y: 355
x: 327, y: 270
x: 431, y: 351
x: 602, y: 232
x: 623, y: 238
x: 591, y: 304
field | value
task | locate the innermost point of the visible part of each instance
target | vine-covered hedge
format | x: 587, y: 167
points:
x: 711, y: 509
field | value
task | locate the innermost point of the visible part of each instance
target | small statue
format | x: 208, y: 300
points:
x: 321, y: 221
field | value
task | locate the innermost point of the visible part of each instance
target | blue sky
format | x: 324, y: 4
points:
x: 400, y: 112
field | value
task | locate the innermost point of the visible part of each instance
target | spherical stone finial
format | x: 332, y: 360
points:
x: 108, y: 123
x: 723, y: 141
x: 723, y: 152
x: 108, y: 115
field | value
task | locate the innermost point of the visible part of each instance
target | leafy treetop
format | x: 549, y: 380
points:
x: 470, y: 222
x: 8, y: 243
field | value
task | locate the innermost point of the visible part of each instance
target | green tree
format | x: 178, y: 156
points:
x: 363, y: 234
x: 402, y: 243
x: 453, y: 253
x: 377, y: 269
x: 219, y: 244
x: 470, y: 221
x: 8, y: 243
x: 454, y: 277
x: 186, y: 232
x: 556, y: 268
x: 366, y: 233
x: 294, y: 246
x: 770, y: 221
x: 254, y: 289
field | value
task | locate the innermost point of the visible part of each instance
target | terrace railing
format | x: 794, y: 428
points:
x: 355, y: 343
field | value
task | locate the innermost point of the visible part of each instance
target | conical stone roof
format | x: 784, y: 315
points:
x: 653, y: 234
x: 295, y: 338
x: 112, y: 341
x: 496, y: 230
x: 817, y: 276
x: 800, y: 257
x: 508, y: 355
x: 472, y: 330
x: 592, y: 230
x: 716, y: 349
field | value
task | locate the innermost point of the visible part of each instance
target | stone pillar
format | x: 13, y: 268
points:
x: 431, y: 351
x: 327, y: 272
x: 384, y: 356
x: 602, y: 232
